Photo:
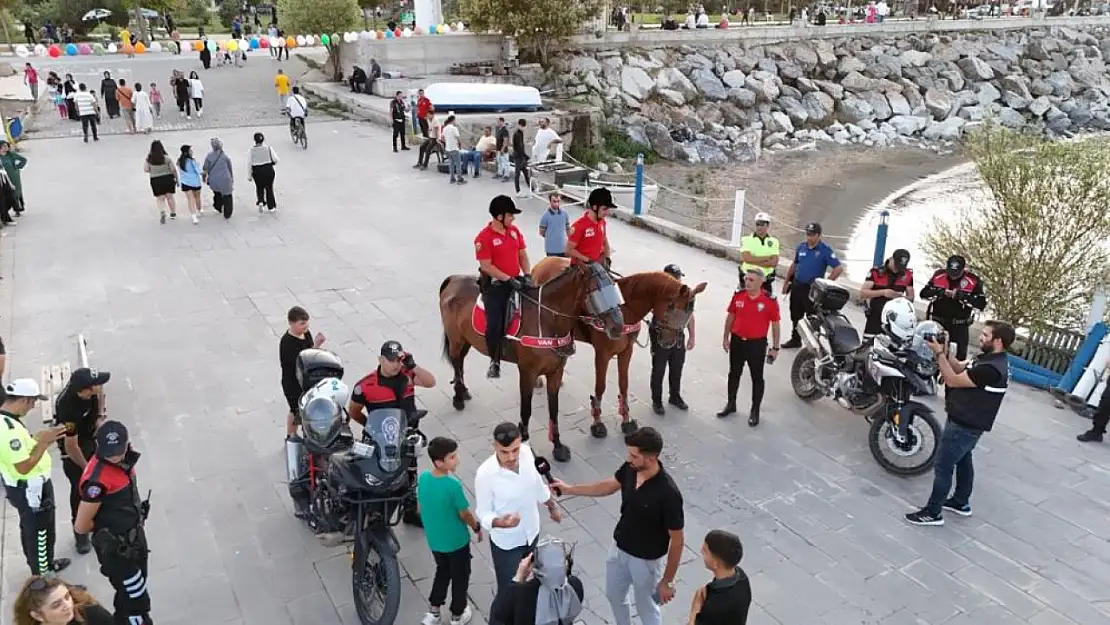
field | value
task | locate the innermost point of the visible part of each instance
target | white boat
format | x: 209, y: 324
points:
x: 624, y: 193
x: 477, y: 96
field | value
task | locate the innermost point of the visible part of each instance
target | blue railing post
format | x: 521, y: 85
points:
x: 880, y: 238
x: 638, y: 204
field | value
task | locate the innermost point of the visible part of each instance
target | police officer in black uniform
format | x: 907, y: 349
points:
x: 668, y: 349
x: 80, y: 408
x: 113, y: 511
x: 956, y: 294
x: 393, y: 385
x: 893, y: 279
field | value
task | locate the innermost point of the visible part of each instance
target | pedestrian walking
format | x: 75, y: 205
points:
x: 508, y: 490
x: 282, y: 85
x: 397, y: 110
x: 69, y: 87
x: 9, y: 201
x: 144, y: 110
x: 553, y: 227
x: 188, y: 174
x: 260, y: 165
x: 51, y: 601
x: 125, y: 97
x: 25, y: 470
x: 163, y: 179
x: 156, y: 99
x: 452, y: 146
x: 205, y: 54
x: 811, y: 259
x: 80, y: 408
x: 88, y: 110
x: 520, y: 159
x: 648, y: 539
x: 54, y: 91
x: 668, y: 351
x: 13, y: 164
x: 760, y: 250
x: 972, y: 398
x: 726, y: 599
x: 750, y: 313
x: 181, y: 94
x: 196, y: 92
x: 218, y: 174
x: 447, y: 525
x: 31, y: 79
x: 108, y: 95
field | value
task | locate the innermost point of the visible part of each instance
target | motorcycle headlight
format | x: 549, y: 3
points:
x: 372, y: 480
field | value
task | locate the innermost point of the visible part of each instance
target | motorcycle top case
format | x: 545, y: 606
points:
x: 827, y: 295
x: 314, y: 365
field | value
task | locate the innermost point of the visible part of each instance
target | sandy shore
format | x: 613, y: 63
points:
x: 831, y: 185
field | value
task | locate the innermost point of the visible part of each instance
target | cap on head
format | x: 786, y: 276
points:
x: 111, y: 439
x: 600, y: 197
x: 762, y: 219
x: 956, y: 265
x: 901, y: 258
x: 503, y: 205
x: 392, y: 350
x: 674, y: 271
x: 813, y: 228
x: 24, y: 388
x: 86, y: 377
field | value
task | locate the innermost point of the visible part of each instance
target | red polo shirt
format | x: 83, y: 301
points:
x: 422, y: 106
x: 503, y: 250
x: 752, y: 316
x: 589, y: 237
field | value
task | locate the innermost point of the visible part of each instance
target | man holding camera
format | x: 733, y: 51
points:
x: 972, y: 399
x: 392, y: 385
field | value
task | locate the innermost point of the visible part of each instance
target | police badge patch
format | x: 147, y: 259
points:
x: 15, y: 444
x: 92, y: 491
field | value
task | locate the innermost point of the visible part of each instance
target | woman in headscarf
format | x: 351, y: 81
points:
x: 70, y: 88
x: 220, y: 178
x: 13, y: 164
x: 108, y: 95
x: 205, y: 54
x: 144, y: 110
x: 543, y: 591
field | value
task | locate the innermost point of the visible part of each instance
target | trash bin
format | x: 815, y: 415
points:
x: 15, y: 128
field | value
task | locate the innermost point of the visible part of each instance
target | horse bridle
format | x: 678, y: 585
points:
x: 538, y: 301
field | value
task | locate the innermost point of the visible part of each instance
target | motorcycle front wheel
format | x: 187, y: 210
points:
x: 803, y: 375
x: 916, y: 455
x: 376, y: 581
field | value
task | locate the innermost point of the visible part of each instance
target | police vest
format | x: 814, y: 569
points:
x: 17, y: 446
x: 976, y: 408
x: 767, y: 246
x: 117, y: 493
x: 883, y: 278
x: 377, y: 391
x: 946, y: 307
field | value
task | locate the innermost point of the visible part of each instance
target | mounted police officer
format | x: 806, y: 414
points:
x: 588, y: 237
x: 392, y: 385
x: 113, y: 511
x: 503, y: 268
x: 956, y: 294
x: 893, y: 279
x: 668, y: 349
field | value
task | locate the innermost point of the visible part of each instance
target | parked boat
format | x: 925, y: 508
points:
x: 475, y: 96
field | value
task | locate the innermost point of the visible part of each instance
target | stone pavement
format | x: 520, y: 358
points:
x: 188, y: 318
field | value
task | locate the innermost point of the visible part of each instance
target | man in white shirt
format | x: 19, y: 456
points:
x: 451, y: 147
x: 545, y: 138
x: 297, y: 107
x: 508, y: 489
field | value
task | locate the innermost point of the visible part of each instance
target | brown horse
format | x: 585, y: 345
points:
x: 651, y: 292
x: 539, y: 335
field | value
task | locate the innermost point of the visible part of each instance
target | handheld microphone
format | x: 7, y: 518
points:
x: 544, y: 467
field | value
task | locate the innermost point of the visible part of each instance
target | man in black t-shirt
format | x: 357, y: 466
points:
x: 727, y: 599
x: 297, y: 339
x: 648, y: 539
x: 80, y: 408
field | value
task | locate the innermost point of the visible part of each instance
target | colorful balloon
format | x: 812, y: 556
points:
x: 71, y: 49
x: 98, y: 48
x: 290, y: 42
x: 22, y: 51
x: 54, y: 52
x: 112, y: 49
x: 83, y: 48
x: 445, y: 28
x: 419, y: 30
x: 366, y: 34
x: 389, y: 34
x: 432, y: 29
x: 233, y: 46
x: 255, y: 43
x: 140, y: 48
x: 460, y: 27
x: 155, y: 46
x: 407, y: 32
x: 381, y: 34
x: 213, y: 46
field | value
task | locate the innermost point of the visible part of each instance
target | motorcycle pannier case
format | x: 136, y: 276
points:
x: 314, y: 365
x: 827, y: 295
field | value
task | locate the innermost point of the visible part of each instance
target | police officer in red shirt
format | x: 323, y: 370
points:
x: 112, y: 510
x: 588, y: 238
x: 503, y: 267
x: 750, y: 314
x: 956, y: 294
x: 893, y: 279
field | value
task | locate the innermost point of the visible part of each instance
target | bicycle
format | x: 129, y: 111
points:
x: 297, y: 132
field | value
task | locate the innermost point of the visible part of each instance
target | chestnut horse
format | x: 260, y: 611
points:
x: 538, y: 342
x: 652, y: 292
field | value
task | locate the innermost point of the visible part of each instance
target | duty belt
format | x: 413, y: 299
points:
x: 125, y: 545
x: 952, y: 321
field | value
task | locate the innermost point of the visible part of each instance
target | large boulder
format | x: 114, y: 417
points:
x: 898, y: 103
x: 987, y: 93
x: 742, y: 96
x: 636, y: 83
x: 805, y: 57
x: 674, y: 80
x: 734, y: 78
x: 819, y: 107
x: 975, y: 69
x: 582, y: 64
x: 907, y: 125
x: 947, y: 130
x: 765, y: 90
x: 849, y: 64
x: 709, y: 85
x: 659, y: 138
x: 1062, y: 84
x: 938, y: 103
x: 794, y: 109
x: 856, y: 82
x: 1039, y: 106
x: 1010, y: 118
x: 916, y: 58
x: 853, y: 109
x: 831, y: 88
x: 878, y: 103
x: 672, y: 97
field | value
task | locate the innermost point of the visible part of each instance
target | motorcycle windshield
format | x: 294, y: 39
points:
x: 925, y: 330
x: 386, y: 426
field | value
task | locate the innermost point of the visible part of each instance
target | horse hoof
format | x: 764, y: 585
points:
x: 561, y: 452
x: 598, y: 430
x: 459, y: 402
x: 629, y: 426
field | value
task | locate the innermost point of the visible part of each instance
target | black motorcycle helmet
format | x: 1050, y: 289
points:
x: 900, y: 259
x: 674, y: 271
x: 956, y: 265
x: 502, y: 205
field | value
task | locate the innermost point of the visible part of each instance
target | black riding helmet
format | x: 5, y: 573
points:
x: 674, y: 271
x: 502, y: 205
x: 901, y: 259
x: 956, y: 265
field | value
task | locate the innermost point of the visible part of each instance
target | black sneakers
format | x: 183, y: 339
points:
x: 678, y: 402
x: 657, y: 407
x: 1090, y: 436
x: 727, y: 410
x: 924, y: 517
x: 753, y: 418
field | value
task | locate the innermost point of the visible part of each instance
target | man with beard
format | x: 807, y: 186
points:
x: 973, y: 396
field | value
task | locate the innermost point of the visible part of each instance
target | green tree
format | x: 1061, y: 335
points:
x: 537, y: 25
x: 197, y: 10
x: 1039, y: 239
x: 321, y: 17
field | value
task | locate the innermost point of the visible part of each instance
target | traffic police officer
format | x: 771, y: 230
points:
x: 668, y: 349
x: 588, y: 238
x: 392, y: 385
x: 80, y: 408
x: 893, y: 279
x: 25, y: 470
x: 751, y: 313
x: 956, y: 294
x: 811, y: 259
x: 113, y: 511
x: 760, y: 251
x: 502, y: 268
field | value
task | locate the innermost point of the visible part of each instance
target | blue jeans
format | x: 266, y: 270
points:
x: 505, y: 562
x: 471, y: 157
x: 454, y: 164
x: 956, y: 444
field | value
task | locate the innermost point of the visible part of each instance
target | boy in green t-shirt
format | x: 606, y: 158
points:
x: 446, y: 514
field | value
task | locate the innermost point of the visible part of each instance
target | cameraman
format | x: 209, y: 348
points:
x: 392, y: 385
x: 973, y: 396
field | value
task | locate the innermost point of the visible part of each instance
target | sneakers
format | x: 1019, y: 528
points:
x: 196, y: 219
x: 523, y: 194
x: 924, y: 517
x: 461, y: 181
x: 657, y: 408
x: 964, y: 510
x: 173, y: 215
x: 200, y: 113
x: 430, y: 618
x: 463, y: 618
x: 162, y: 217
x: 260, y: 206
x: 678, y: 402
x: 1090, y: 436
x: 792, y: 344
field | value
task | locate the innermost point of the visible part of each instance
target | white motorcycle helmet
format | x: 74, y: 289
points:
x: 899, y: 319
x: 331, y: 388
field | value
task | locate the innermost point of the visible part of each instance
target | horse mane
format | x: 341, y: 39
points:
x: 649, y: 286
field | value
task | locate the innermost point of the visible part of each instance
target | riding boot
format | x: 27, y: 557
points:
x: 411, y: 516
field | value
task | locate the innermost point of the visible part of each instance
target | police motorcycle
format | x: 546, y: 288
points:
x: 877, y: 379
x: 353, y: 489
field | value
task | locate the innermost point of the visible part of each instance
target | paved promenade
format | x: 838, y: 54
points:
x: 187, y: 318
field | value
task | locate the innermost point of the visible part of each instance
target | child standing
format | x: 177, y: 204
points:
x: 156, y: 99
x: 59, y: 99
x: 297, y: 339
x: 447, y: 517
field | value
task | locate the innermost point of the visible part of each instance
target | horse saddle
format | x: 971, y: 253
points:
x: 478, y: 317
